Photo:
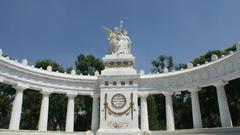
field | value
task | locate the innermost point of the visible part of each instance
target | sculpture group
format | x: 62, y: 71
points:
x: 119, y: 42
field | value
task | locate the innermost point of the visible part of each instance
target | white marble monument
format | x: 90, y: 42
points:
x: 115, y: 92
x: 118, y: 87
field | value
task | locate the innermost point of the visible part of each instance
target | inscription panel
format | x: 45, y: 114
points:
x: 118, y: 100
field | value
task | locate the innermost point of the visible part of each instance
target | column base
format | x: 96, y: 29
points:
x: 119, y: 132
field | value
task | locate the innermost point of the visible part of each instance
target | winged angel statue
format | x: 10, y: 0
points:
x: 119, y: 42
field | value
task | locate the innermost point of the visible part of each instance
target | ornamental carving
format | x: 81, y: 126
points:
x: 119, y: 101
x: 118, y: 124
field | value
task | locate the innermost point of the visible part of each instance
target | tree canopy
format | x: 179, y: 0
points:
x: 88, y: 64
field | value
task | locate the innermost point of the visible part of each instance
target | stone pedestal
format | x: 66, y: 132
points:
x: 119, y: 103
x: 119, y: 64
x: 119, y: 132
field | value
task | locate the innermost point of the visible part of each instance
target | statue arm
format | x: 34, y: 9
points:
x: 108, y: 31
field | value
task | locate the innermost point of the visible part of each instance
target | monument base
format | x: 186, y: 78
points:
x: 119, y: 132
x: 119, y: 64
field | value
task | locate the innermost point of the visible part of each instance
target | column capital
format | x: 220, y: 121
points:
x: 143, y: 95
x: 72, y: 94
x: 194, y: 89
x: 220, y: 83
x: 20, y: 87
x: 167, y: 93
x: 95, y: 95
x: 46, y: 92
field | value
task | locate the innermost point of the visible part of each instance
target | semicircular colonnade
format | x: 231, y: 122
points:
x: 216, y: 73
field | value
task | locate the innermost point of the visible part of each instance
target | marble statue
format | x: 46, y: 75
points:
x: 119, y: 42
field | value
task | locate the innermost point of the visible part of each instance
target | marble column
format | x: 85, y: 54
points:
x: 95, y: 113
x: 43, y: 119
x: 70, y: 113
x: 17, y: 108
x: 225, y: 115
x: 169, y: 111
x: 196, y: 112
x: 144, y: 112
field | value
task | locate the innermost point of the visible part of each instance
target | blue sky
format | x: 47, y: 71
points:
x: 62, y: 29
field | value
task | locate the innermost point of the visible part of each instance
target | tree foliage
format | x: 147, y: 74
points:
x: 162, y: 62
x: 57, y: 112
x: 45, y: 63
x: 30, y: 110
x: 7, y: 94
x: 88, y: 64
x: 157, y: 110
x: 182, y: 107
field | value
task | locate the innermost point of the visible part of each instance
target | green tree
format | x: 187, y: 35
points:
x: 156, y: 112
x: 182, y: 107
x: 162, y: 62
x: 209, y: 107
x: 159, y: 64
x: 88, y: 64
x: 233, y: 96
x: 85, y: 64
x: 7, y: 94
x: 83, y: 113
x: 45, y: 63
x: 57, y: 112
x: 30, y: 110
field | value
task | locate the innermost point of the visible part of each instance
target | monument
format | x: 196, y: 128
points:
x: 118, y: 86
x: 118, y: 89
